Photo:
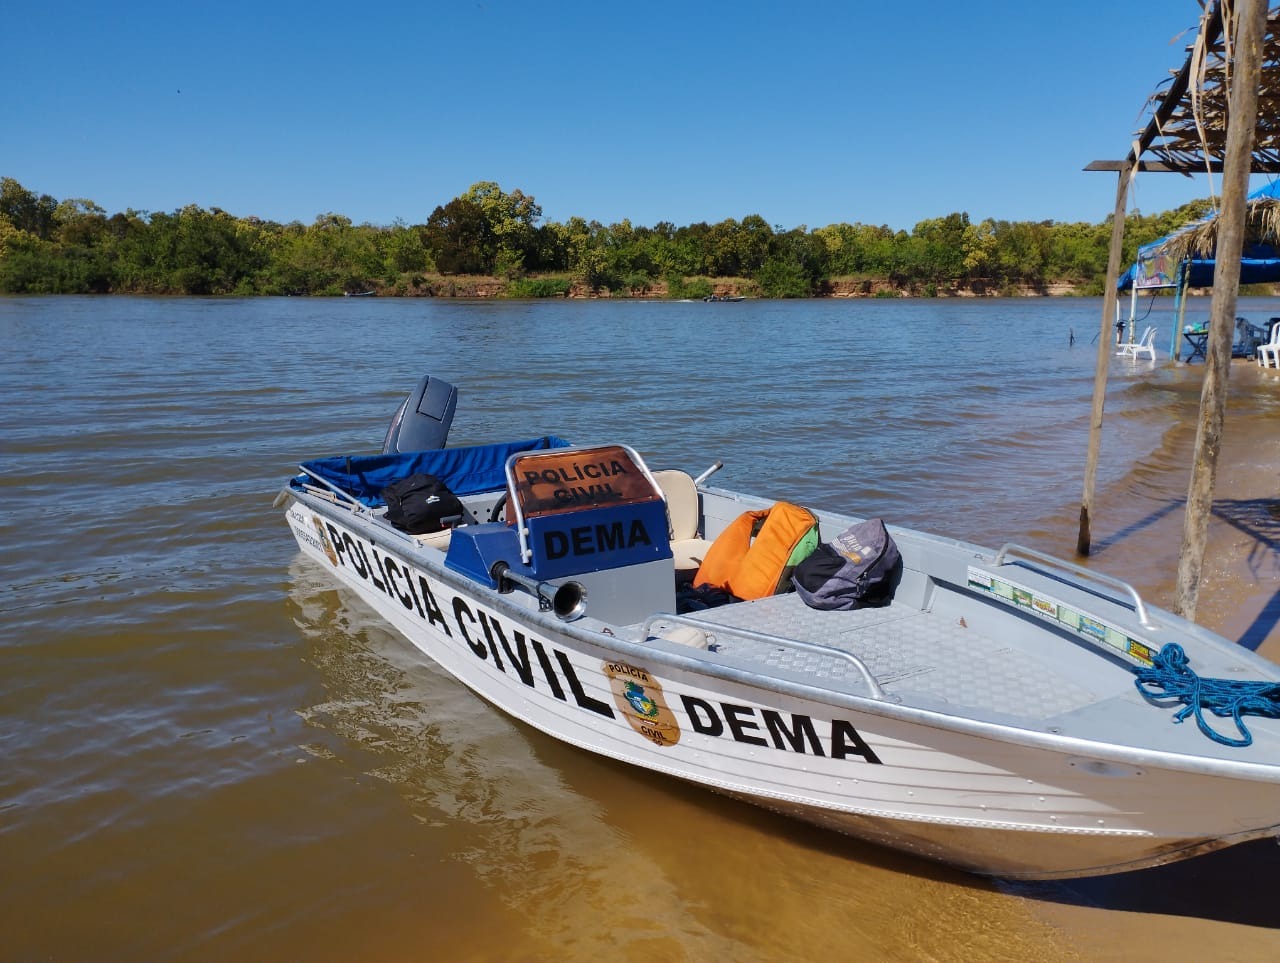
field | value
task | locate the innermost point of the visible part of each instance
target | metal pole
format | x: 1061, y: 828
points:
x: 1241, y: 124
x: 1133, y: 311
x: 1109, y: 308
x: 1179, y: 309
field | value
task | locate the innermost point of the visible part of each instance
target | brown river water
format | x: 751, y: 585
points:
x: 210, y: 752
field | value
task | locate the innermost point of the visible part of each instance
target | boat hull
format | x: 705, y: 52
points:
x: 989, y: 799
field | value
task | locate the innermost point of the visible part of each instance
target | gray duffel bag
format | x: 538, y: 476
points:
x: 860, y: 567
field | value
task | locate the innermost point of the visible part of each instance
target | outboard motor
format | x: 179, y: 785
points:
x: 423, y: 419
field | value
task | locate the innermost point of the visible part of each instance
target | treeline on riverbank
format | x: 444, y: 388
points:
x: 491, y: 243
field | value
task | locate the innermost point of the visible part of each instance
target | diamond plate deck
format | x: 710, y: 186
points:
x: 910, y: 652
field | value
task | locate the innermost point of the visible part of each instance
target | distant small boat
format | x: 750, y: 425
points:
x: 359, y: 294
x: 724, y: 297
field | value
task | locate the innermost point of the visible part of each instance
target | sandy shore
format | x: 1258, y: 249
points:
x: 1168, y: 912
x: 1140, y: 523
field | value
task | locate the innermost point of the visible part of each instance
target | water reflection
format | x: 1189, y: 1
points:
x: 598, y: 858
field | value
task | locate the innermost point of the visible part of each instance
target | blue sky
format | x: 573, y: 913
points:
x: 806, y: 112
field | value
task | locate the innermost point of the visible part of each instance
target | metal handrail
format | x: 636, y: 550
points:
x: 345, y: 496
x: 817, y: 648
x: 1139, y: 607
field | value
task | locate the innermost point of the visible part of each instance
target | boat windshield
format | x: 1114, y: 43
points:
x: 551, y: 482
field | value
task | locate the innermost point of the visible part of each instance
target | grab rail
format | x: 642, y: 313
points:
x: 816, y: 647
x: 1139, y: 607
x: 346, y: 496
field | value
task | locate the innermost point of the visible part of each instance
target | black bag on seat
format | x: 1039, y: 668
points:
x: 421, y: 504
x: 860, y: 567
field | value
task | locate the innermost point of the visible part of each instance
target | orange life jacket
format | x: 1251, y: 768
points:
x: 753, y: 557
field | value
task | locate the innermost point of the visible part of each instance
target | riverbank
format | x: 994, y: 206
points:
x: 696, y: 288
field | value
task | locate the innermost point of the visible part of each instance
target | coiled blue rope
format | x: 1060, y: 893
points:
x: 1172, y: 674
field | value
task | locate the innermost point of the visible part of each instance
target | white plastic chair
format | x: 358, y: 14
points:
x: 1268, y: 354
x: 1144, y: 345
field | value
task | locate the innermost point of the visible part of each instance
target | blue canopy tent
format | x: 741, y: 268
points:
x: 1154, y: 269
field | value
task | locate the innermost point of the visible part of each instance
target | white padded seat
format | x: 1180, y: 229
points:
x: 681, y: 495
x: 438, y: 539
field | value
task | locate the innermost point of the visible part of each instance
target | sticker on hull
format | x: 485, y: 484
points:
x: 1051, y: 609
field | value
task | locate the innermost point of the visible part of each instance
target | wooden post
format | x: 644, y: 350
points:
x: 1210, y: 31
x: 1109, y: 299
x: 1241, y: 125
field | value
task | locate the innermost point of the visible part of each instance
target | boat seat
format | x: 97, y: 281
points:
x: 438, y: 539
x: 681, y: 495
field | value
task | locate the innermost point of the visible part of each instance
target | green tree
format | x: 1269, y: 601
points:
x: 720, y: 250
x: 402, y: 249
x: 458, y: 237
x: 328, y: 257
x: 1022, y: 251
x: 511, y: 221
x: 80, y: 222
x: 1077, y: 252
x: 795, y: 263
x: 858, y: 249
x: 938, y: 249
x: 7, y: 231
x: 484, y: 231
x: 980, y: 258
x: 25, y: 211
x: 784, y: 278
x: 587, y: 246
x: 73, y: 245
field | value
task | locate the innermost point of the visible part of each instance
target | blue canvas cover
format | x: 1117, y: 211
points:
x: 467, y: 471
x: 1259, y: 263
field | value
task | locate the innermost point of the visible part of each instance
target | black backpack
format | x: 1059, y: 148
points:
x: 421, y: 504
x: 859, y: 567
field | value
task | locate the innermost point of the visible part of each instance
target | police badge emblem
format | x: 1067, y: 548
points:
x: 639, y: 697
x: 324, y: 539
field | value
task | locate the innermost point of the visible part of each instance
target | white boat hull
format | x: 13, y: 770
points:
x: 994, y: 799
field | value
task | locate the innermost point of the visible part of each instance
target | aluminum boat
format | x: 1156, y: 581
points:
x: 989, y: 716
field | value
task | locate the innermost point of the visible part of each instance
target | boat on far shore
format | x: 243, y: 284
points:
x: 724, y: 297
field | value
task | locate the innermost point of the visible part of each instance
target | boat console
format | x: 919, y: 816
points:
x: 591, y: 516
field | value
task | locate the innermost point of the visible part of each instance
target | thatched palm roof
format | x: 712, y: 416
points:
x: 1199, y: 240
x: 1187, y: 131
